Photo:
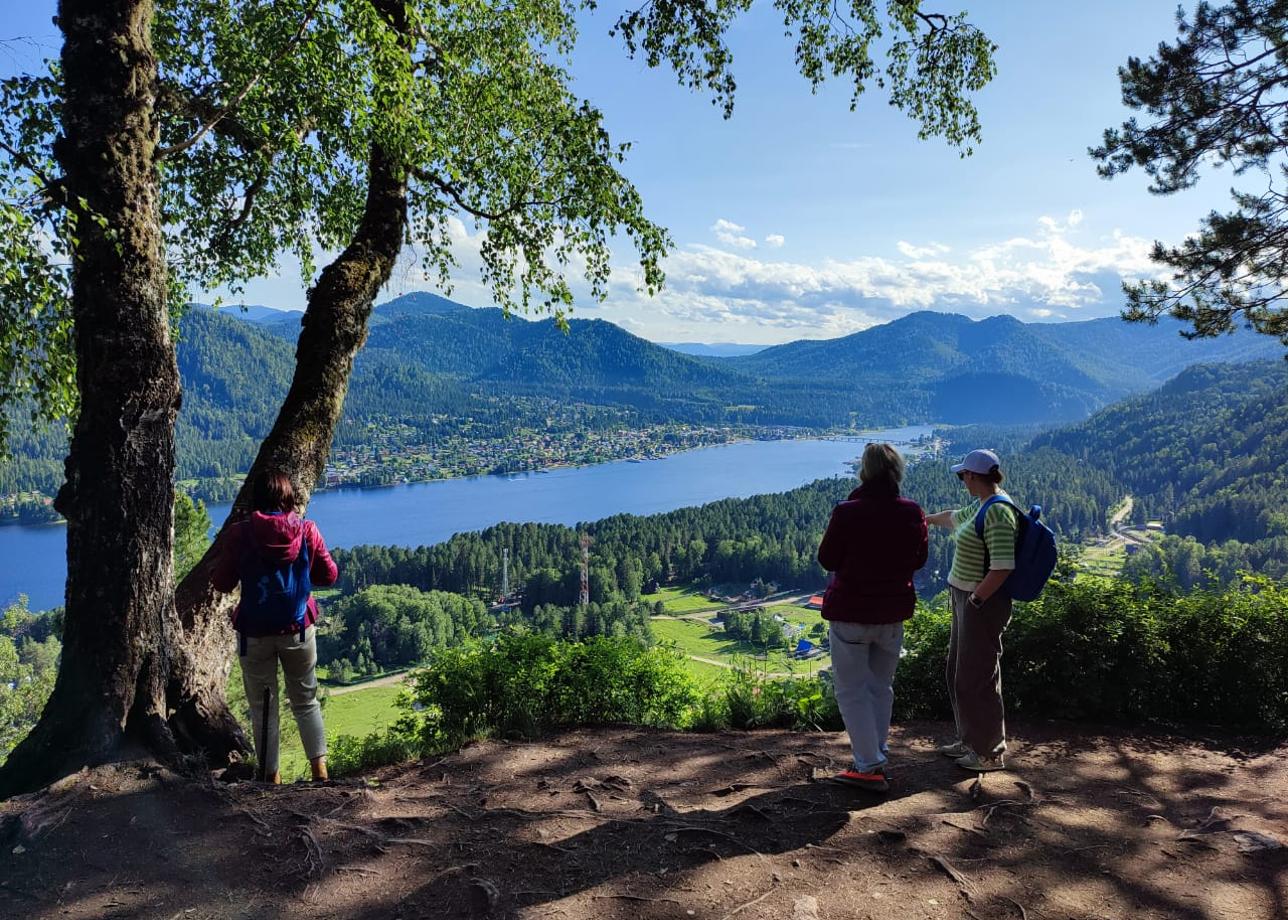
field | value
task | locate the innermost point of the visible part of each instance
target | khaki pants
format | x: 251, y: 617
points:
x: 299, y: 668
x: 975, y: 672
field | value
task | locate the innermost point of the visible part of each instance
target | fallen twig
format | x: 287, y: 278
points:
x: 710, y: 830
x: 953, y: 873
x: 313, y: 859
x: 741, y: 907
x: 968, y: 830
x: 1024, y: 914
x: 256, y: 819
x: 739, y: 787
x: 634, y: 897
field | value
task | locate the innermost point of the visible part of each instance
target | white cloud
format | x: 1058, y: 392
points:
x: 1059, y: 272
x: 731, y: 234
x: 921, y: 252
x: 1063, y: 270
x: 775, y: 240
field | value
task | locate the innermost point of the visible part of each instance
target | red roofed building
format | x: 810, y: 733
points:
x: 815, y: 602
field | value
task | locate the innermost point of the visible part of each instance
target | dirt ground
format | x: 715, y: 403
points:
x: 630, y: 823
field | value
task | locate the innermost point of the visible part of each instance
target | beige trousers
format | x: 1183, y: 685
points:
x: 299, y: 669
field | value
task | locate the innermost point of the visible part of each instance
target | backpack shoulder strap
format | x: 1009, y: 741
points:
x: 983, y: 510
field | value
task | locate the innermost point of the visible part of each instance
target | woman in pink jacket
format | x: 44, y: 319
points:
x: 276, y: 557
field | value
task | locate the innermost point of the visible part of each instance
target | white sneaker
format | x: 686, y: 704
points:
x: 954, y: 750
x: 977, y: 764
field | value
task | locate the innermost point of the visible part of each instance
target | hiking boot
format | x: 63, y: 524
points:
x: 977, y: 764
x: 875, y: 781
x: 954, y: 750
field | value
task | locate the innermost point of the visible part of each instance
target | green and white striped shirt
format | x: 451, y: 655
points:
x: 1000, y: 529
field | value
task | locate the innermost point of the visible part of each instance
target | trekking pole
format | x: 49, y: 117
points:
x: 263, y: 740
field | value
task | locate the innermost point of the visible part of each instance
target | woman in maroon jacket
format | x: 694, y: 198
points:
x: 874, y: 543
x: 277, y: 535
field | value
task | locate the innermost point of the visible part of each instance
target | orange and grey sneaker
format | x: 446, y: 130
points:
x: 874, y: 781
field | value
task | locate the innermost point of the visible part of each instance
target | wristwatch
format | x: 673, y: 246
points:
x: 975, y: 600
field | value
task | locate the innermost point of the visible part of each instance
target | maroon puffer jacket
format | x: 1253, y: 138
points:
x: 874, y: 543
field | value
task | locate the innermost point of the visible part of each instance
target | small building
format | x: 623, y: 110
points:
x: 806, y: 649
x: 815, y: 602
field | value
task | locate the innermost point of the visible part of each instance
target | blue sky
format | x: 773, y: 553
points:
x: 799, y: 219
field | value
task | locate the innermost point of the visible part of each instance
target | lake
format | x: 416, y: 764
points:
x: 34, y: 558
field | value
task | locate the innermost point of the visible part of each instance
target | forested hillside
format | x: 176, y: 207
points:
x: 1207, y: 454
x: 1023, y: 371
x: 1160, y: 448
x: 434, y: 370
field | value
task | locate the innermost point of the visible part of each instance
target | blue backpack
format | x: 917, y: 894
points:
x: 274, y: 599
x: 1035, y: 553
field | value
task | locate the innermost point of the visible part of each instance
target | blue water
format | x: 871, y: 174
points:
x: 33, y: 559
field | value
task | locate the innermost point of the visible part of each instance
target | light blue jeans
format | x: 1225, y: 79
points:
x: 864, y: 659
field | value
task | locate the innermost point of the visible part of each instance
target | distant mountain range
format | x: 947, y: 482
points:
x: 923, y: 367
x: 713, y: 349
x: 434, y: 368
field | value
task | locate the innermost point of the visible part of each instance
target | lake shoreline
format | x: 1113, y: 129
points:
x: 423, y: 514
x: 550, y: 468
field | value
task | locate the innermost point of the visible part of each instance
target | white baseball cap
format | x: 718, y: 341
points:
x: 977, y: 461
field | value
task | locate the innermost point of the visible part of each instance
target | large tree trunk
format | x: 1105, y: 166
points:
x: 334, y: 328
x: 118, y: 498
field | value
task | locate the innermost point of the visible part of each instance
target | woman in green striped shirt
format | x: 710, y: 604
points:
x: 981, y: 612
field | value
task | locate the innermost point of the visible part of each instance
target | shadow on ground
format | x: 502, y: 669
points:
x: 639, y: 824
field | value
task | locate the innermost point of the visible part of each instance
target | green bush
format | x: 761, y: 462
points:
x: 525, y: 685
x: 745, y: 699
x: 1123, y: 652
x: 1099, y: 650
x: 919, y: 688
x: 397, y: 743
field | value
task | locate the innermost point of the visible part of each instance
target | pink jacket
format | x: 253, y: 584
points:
x: 278, y: 537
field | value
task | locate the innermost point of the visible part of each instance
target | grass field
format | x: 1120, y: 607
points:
x: 683, y: 600
x: 363, y: 711
x: 693, y: 638
x: 1102, y: 561
x: 358, y: 713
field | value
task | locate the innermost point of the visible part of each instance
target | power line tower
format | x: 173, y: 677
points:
x: 505, y: 573
x: 585, y: 570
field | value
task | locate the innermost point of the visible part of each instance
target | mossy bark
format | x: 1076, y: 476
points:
x: 118, y: 496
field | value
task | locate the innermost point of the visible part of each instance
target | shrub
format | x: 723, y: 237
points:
x: 524, y: 685
x: 919, y: 688
x: 1100, y: 649
x: 745, y: 699
x: 395, y: 744
x: 1123, y: 652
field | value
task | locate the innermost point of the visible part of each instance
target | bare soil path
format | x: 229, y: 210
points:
x: 637, y: 824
